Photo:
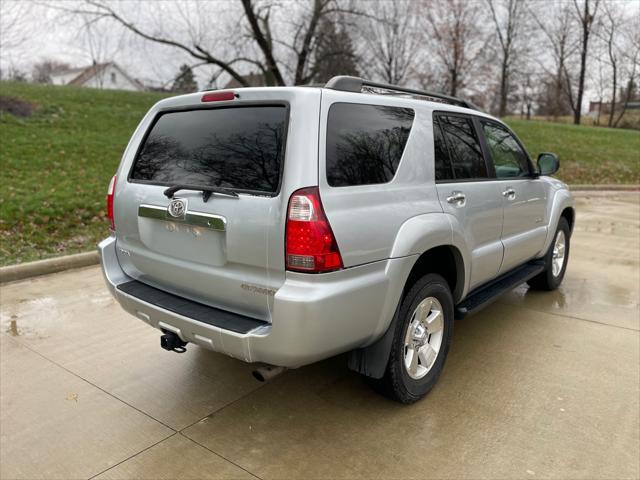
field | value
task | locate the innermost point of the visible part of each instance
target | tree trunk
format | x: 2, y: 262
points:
x: 502, y: 109
x: 587, y: 20
x: 613, y: 97
x: 274, y: 75
x: 625, y: 102
x: 557, y: 93
x: 454, y: 82
x: 583, y: 63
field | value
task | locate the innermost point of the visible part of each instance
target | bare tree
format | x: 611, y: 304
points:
x: 99, y: 41
x: 259, y: 21
x: 630, y: 66
x: 301, y: 44
x: 296, y: 34
x: 391, y: 40
x: 14, y: 16
x: 457, y: 39
x: 14, y: 33
x: 558, y: 32
x: 610, y: 34
x: 508, y: 25
x: 601, y: 85
x: 99, y: 10
x: 586, y: 17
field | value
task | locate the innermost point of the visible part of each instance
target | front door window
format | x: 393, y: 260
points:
x: 509, y: 159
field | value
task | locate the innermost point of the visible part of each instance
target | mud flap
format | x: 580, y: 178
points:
x: 372, y: 360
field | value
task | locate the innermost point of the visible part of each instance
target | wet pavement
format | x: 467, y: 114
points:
x: 538, y: 385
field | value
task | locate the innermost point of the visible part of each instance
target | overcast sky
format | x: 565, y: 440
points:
x: 32, y: 31
x: 35, y: 30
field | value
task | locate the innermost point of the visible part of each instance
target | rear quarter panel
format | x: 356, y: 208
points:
x: 366, y: 219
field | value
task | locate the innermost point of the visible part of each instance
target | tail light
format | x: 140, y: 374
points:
x: 310, y: 244
x: 110, y: 191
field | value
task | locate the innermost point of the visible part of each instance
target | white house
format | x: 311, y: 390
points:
x: 108, y: 76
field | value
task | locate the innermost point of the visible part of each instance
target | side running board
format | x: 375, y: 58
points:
x: 483, y: 296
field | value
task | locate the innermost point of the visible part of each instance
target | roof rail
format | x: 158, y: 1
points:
x: 355, y: 84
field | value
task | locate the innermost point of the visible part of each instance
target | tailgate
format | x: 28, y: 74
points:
x: 220, y: 250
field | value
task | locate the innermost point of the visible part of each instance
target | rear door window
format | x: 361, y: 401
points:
x: 241, y: 148
x: 365, y: 143
x: 442, y: 160
x: 463, y: 146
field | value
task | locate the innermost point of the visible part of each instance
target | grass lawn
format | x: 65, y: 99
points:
x: 56, y: 164
x: 55, y: 167
x: 588, y: 155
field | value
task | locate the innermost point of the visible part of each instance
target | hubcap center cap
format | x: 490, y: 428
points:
x: 420, y: 333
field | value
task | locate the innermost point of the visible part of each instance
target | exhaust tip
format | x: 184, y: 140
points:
x: 258, y: 376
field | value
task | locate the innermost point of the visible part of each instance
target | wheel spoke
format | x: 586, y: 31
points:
x: 423, y: 309
x: 434, y: 322
x: 557, y: 258
x: 409, y: 335
x: 427, y: 355
x: 411, y: 361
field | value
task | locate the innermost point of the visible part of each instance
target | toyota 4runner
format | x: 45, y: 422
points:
x: 286, y: 225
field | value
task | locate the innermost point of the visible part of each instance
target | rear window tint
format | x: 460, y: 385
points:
x: 464, y: 147
x: 442, y: 161
x: 240, y: 148
x: 365, y: 143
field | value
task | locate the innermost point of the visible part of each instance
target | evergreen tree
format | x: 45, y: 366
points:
x: 335, y: 54
x: 185, y: 82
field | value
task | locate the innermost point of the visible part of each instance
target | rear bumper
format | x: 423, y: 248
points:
x: 314, y: 316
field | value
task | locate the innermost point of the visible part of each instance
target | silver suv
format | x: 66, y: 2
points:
x: 283, y: 226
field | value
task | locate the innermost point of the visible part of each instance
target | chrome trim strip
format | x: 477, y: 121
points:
x: 198, y: 219
x: 152, y: 211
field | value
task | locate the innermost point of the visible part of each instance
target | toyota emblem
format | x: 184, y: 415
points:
x: 177, y: 208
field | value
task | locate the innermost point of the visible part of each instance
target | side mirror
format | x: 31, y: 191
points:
x: 548, y: 163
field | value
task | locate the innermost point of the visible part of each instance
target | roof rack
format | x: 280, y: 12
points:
x: 355, y: 84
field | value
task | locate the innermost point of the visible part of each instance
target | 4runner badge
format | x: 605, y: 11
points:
x: 177, y: 208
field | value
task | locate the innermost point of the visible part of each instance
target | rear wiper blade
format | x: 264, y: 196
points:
x: 206, y: 191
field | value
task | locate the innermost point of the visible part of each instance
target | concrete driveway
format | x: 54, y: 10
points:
x: 538, y: 385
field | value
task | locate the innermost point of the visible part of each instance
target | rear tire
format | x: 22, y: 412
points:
x: 555, y: 260
x: 423, y: 333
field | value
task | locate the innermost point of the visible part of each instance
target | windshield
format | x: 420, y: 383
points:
x: 240, y: 148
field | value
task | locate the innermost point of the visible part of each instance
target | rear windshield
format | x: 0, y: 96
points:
x: 365, y: 143
x: 240, y: 148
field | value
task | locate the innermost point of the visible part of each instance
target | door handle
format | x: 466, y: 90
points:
x: 509, y: 193
x: 457, y: 198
